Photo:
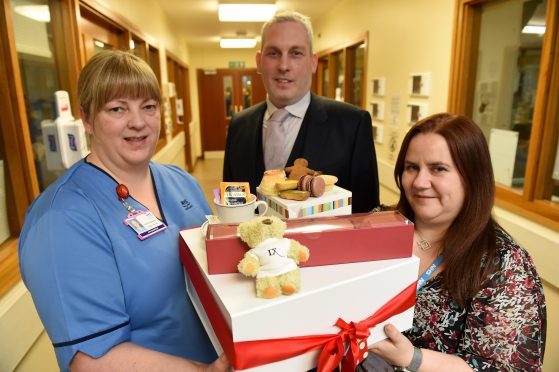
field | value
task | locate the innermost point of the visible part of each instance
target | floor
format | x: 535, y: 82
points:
x: 208, y: 172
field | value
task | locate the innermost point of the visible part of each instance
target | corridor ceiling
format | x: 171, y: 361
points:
x: 198, y: 20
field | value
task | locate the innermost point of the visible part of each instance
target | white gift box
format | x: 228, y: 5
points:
x: 336, y: 202
x: 352, y: 292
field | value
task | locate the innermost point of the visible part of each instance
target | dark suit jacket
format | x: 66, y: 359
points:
x: 336, y: 138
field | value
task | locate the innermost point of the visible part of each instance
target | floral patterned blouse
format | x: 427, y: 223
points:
x: 503, y: 328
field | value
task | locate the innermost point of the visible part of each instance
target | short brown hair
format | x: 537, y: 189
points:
x: 110, y: 74
x: 472, y: 233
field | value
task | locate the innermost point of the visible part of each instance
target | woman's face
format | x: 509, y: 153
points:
x: 431, y: 182
x: 125, y: 131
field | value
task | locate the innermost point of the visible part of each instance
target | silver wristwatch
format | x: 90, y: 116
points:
x: 416, y: 360
x: 415, y: 363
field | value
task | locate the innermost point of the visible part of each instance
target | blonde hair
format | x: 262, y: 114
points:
x: 289, y: 16
x: 114, y: 74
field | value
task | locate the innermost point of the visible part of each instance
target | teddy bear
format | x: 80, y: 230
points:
x: 271, y: 259
x: 300, y: 169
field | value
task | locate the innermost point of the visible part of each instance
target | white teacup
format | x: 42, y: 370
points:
x: 240, y: 212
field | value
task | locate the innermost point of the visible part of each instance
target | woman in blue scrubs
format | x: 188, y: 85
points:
x: 99, y: 247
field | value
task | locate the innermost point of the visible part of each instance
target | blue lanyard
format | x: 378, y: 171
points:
x: 427, y: 274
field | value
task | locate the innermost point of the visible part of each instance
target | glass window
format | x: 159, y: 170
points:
x: 247, y: 91
x: 508, y: 66
x: 228, y: 95
x: 340, y: 72
x: 505, y: 75
x: 356, y: 59
x: 554, y: 182
x: 35, y: 50
x: 138, y: 47
x: 4, y: 225
x: 325, y: 76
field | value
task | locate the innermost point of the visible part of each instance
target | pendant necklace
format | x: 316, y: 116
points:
x: 423, y: 244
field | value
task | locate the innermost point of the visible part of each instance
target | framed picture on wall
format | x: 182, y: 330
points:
x: 377, y: 110
x: 420, y: 84
x: 417, y: 111
x: 378, y: 130
x: 378, y: 85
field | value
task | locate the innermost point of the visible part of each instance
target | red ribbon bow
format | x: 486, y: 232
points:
x: 354, y: 334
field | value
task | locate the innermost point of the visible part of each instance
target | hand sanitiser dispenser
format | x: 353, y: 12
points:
x: 64, y: 138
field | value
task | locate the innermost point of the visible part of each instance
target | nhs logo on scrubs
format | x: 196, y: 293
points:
x: 186, y: 204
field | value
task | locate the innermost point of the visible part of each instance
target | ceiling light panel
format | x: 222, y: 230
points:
x: 246, y: 12
x: 237, y: 42
x: 39, y: 13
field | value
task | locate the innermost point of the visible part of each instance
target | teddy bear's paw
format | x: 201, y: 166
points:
x: 270, y: 292
x: 268, y: 287
x: 288, y: 289
x: 303, y: 255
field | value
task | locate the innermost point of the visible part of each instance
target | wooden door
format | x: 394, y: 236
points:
x: 98, y: 33
x: 222, y: 93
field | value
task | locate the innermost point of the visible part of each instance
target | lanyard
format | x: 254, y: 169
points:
x: 427, y: 274
x: 144, y: 223
x: 123, y: 193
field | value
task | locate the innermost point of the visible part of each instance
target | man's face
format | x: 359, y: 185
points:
x: 286, y: 63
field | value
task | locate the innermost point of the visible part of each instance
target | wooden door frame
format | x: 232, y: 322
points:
x: 21, y: 181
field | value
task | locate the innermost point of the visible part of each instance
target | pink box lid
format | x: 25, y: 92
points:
x: 320, y: 224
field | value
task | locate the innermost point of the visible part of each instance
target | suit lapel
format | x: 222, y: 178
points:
x: 256, y: 163
x: 313, y: 135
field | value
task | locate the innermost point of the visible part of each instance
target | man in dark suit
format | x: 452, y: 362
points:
x: 336, y: 138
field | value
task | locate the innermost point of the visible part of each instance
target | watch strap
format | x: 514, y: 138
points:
x: 416, y: 360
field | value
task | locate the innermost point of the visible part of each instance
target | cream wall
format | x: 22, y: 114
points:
x: 407, y: 36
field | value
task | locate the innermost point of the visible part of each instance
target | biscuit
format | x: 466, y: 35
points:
x: 294, y: 195
x: 268, y: 184
x: 287, y: 185
x: 329, y: 180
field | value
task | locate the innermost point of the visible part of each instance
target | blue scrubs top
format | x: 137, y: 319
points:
x: 94, y: 283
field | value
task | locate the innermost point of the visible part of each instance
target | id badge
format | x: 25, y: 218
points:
x: 145, y: 224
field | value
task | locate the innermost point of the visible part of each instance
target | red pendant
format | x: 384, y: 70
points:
x: 122, y: 191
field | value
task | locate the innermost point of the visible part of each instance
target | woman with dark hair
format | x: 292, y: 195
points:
x: 480, y: 302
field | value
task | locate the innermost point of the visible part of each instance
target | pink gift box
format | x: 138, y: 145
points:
x: 331, y: 240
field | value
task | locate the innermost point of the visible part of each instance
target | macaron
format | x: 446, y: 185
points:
x: 314, y: 185
x: 301, y: 182
x: 317, y: 187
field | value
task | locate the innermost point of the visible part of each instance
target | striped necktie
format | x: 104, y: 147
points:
x: 274, y: 147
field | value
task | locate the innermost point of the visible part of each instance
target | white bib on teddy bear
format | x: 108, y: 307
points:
x: 272, y: 255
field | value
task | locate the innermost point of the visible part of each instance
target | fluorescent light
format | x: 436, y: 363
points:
x: 246, y: 12
x: 237, y: 42
x: 100, y: 44
x: 540, y: 30
x: 38, y: 13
